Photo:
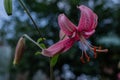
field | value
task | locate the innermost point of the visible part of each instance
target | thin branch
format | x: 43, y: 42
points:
x: 26, y: 36
x: 28, y: 13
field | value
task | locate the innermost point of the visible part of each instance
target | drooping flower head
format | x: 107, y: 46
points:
x: 70, y: 33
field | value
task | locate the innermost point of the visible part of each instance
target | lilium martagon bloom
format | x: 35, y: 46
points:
x: 70, y: 33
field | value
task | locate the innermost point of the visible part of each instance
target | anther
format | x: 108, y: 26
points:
x: 87, y: 57
x: 95, y: 54
x: 81, y: 59
x: 100, y: 50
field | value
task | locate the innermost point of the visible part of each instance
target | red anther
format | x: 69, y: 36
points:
x: 95, y: 54
x: 82, y: 60
x: 87, y: 57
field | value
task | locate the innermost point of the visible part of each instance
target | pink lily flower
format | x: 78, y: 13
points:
x: 70, y: 33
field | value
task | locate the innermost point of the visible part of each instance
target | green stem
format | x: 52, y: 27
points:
x: 26, y: 36
x: 28, y: 13
x: 51, y: 71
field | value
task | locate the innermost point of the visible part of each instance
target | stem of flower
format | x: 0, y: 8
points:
x: 26, y: 36
x: 51, y: 71
x: 28, y: 13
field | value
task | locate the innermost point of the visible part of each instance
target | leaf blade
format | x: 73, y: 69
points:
x: 54, y: 60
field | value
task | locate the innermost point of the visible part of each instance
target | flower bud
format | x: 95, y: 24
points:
x: 8, y: 6
x: 19, y: 50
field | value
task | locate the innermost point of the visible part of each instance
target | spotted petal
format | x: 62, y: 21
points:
x: 88, y: 20
x: 66, y: 25
x: 62, y: 35
x: 60, y: 47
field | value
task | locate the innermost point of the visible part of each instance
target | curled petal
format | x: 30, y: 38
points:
x: 88, y: 34
x: 95, y: 21
x: 88, y: 20
x: 60, y: 47
x: 66, y: 25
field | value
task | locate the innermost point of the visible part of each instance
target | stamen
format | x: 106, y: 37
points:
x: 95, y: 54
x: 87, y: 57
x: 81, y: 59
x: 100, y: 50
x: 95, y: 49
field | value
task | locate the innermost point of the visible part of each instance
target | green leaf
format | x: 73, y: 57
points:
x: 40, y: 40
x: 42, y: 45
x: 53, y: 60
x: 8, y: 7
x: 37, y: 53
